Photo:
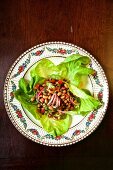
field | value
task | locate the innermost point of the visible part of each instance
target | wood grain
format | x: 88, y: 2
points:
x: 86, y: 23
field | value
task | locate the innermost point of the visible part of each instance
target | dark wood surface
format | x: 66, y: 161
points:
x: 86, y: 23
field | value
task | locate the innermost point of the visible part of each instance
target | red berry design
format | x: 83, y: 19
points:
x: 34, y: 132
x: 91, y: 117
x: 38, y: 53
x: 77, y: 132
x: 62, y: 51
x: 20, y: 69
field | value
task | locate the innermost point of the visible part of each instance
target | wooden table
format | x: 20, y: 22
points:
x: 86, y: 23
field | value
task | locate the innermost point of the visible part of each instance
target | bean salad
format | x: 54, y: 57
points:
x: 54, y: 98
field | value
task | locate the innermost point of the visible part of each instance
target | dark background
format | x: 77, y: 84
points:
x: 86, y: 23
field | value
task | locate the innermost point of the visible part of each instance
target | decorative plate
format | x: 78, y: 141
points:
x: 81, y: 126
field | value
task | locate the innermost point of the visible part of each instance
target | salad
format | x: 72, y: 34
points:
x: 55, y: 93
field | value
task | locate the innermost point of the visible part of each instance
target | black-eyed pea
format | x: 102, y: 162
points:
x: 62, y: 97
x: 59, y: 93
x: 46, y: 101
x: 50, y: 107
x: 42, y: 100
x: 45, y: 97
x: 66, y: 85
x: 64, y: 91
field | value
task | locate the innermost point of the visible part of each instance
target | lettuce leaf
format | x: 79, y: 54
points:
x: 44, y: 69
x: 75, y: 70
x: 24, y: 99
x: 27, y: 86
x: 24, y: 85
x: 87, y: 102
x: 56, y: 127
x: 72, y: 57
x: 72, y: 113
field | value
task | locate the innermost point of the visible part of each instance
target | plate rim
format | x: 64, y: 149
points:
x: 8, y: 110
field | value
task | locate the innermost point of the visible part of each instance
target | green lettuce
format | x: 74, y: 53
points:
x: 74, y: 69
x: 72, y: 57
x: 24, y: 99
x: 87, y: 102
x: 44, y: 69
x: 56, y: 127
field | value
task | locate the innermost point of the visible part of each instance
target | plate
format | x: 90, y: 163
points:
x: 25, y: 123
